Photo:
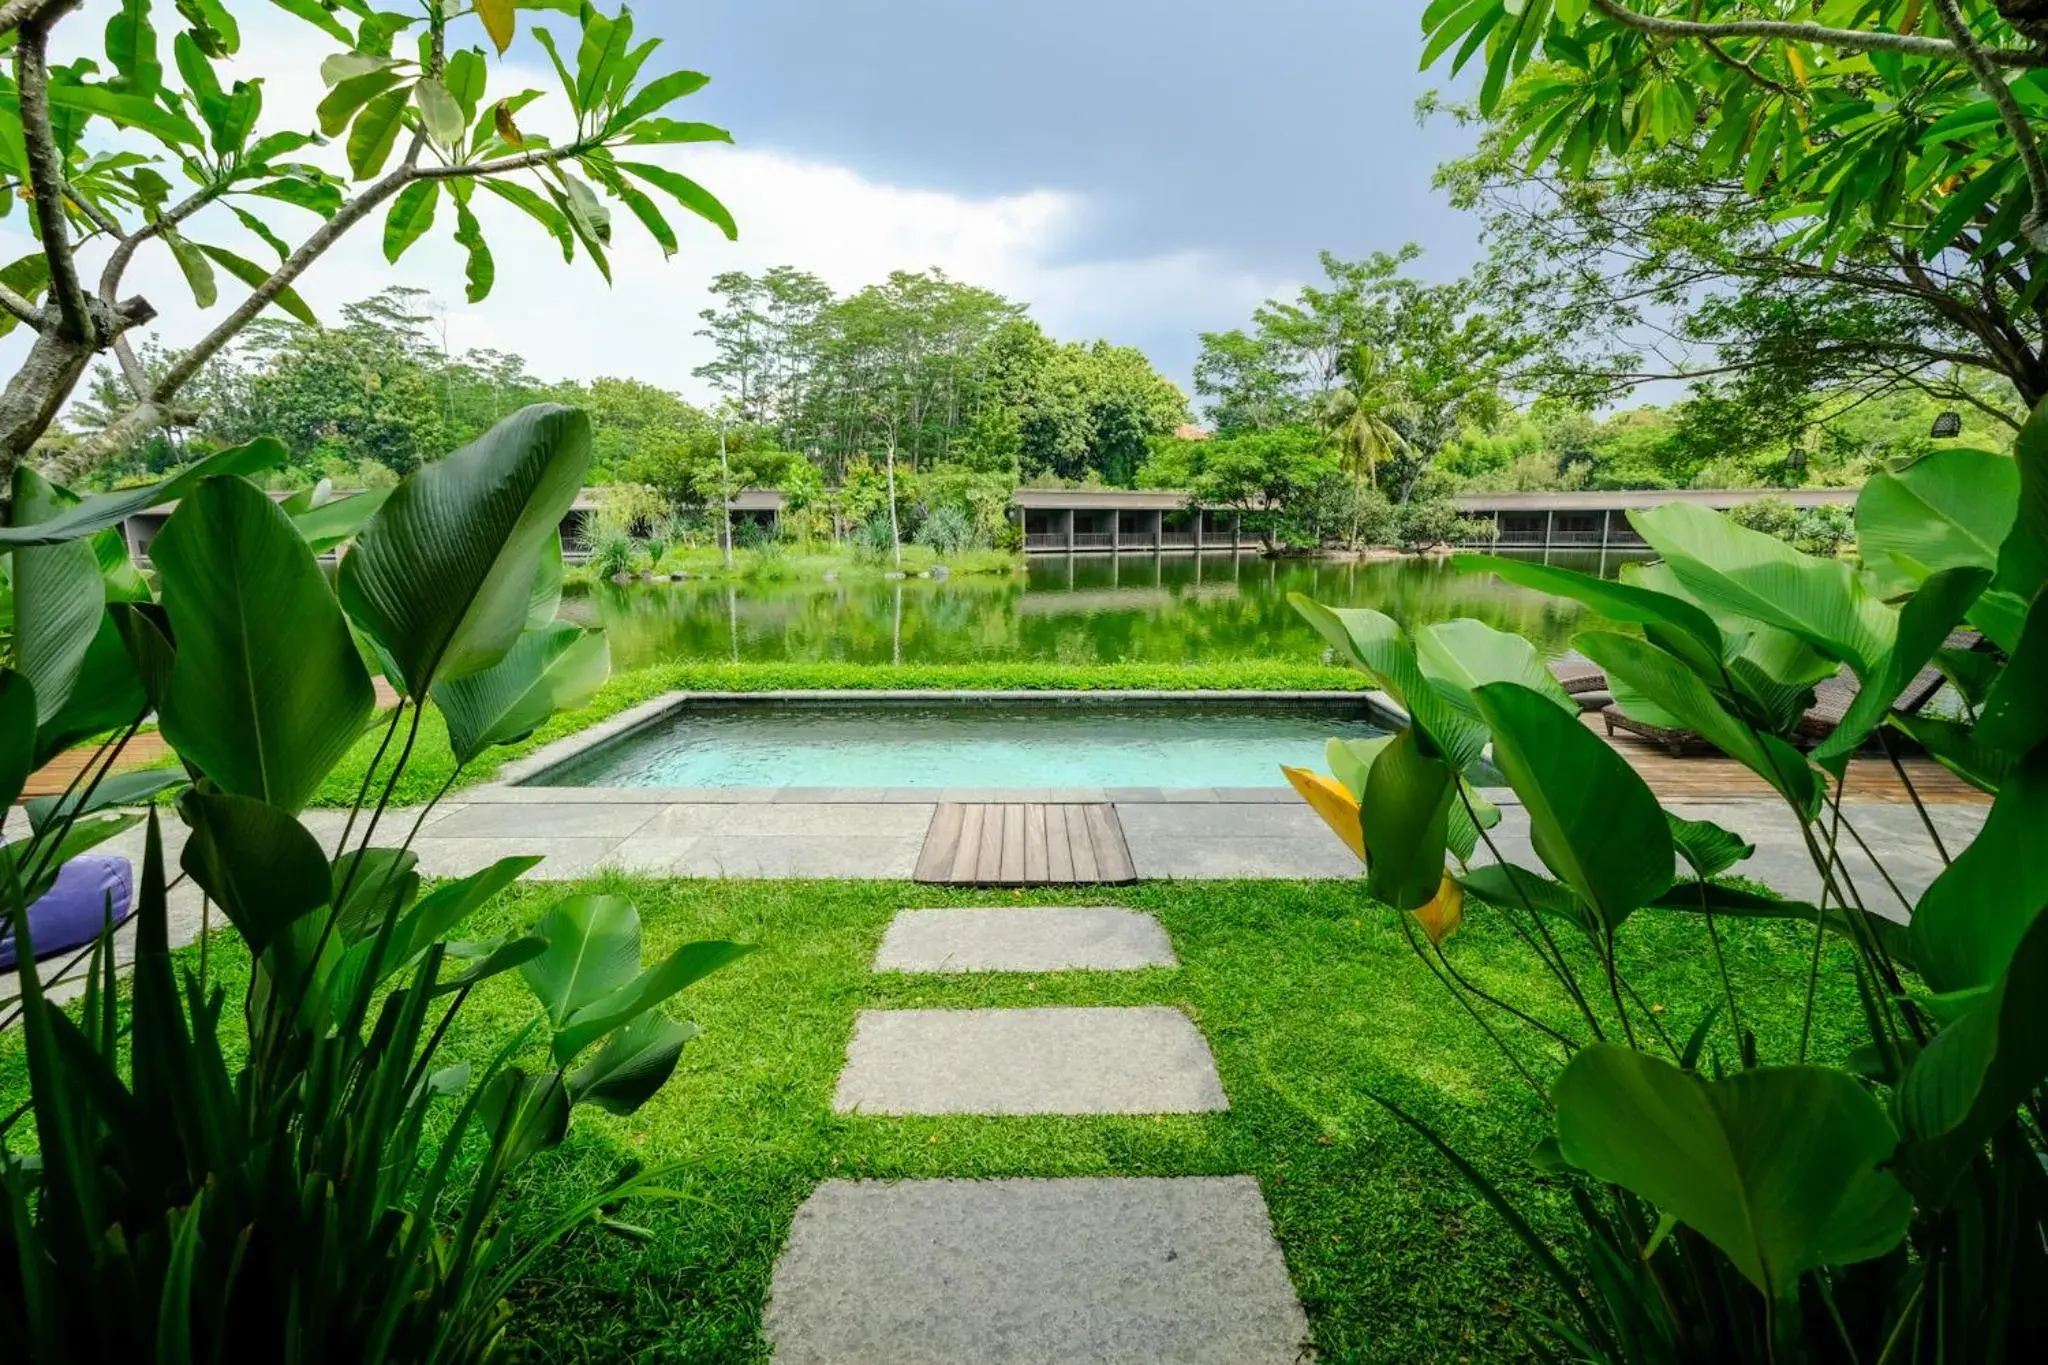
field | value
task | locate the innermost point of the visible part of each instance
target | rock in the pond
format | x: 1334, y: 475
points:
x: 940, y: 571
x: 896, y: 574
x: 622, y: 578
x: 831, y: 575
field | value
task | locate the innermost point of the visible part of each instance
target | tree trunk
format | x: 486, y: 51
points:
x: 37, y: 393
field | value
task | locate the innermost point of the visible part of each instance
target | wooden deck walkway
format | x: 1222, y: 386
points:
x: 1711, y: 777
x: 1025, y: 844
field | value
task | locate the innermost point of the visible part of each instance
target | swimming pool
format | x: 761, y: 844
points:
x: 963, y: 741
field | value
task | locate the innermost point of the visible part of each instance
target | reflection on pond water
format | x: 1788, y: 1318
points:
x: 1078, y: 609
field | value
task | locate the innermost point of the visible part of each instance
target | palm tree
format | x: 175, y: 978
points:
x: 1361, y: 412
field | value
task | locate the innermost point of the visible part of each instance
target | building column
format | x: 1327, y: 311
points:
x: 1158, y: 530
x: 1236, y: 531
x: 1549, y: 524
x: 1606, y: 528
x: 1200, y: 516
x: 1069, y: 514
x: 1116, y: 531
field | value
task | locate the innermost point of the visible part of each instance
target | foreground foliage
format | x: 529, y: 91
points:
x: 1738, y: 1203
x: 313, y: 1181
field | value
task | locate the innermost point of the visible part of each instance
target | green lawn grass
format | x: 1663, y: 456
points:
x: 1308, y: 994
x: 432, y: 765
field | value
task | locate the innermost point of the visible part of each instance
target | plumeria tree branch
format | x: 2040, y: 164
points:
x: 2028, y: 146
x: 1848, y: 39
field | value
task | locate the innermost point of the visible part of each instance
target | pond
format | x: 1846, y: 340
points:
x: 1079, y: 609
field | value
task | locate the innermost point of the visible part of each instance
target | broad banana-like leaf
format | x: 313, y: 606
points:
x: 1691, y: 632
x: 97, y: 513
x: 553, y: 668
x: 371, y: 885
x: 442, y: 577
x: 115, y: 789
x: 442, y: 910
x: 1463, y: 654
x: 257, y: 863
x: 17, y: 734
x: 1706, y: 847
x: 1591, y: 818
x: 1971, y: 1080
x: 106, y: 695
x: 2015, y: 713
x: 1747, y: 573
x: 267, y: 691
x: 1678, y: 692
x: 1970, y: 920
x: 1351, y: 759
x: 2023, y: 558
x: 59, y: 595
x: 1779, y: 1167
x: 1376, y: 643
x: 1330, y: 799
x: 1951, y: 509
x: 1924, y: 624
x: 633, y: 1064
x: 546, y: 598
x: 328, y: 523
x: 1404, y: 819
x: 688, y: 964
x: 593, y: 950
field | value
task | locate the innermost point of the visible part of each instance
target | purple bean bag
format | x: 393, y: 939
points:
x: 75, y: 907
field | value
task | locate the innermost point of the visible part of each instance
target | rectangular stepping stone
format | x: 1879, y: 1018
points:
x: 935, y: 1272
x: 1132, y: 1060
x: 1041, y: 939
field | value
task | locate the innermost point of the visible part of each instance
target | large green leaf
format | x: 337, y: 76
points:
x: 443, y: 575
x: 556, y: 667
x: 339, y: 520
x: 108, y: 694
x: 686, y: 965
x: 1592, y: 820
x: 1777, y: 1166
x: 442, y: 910
x: 1952, y: 509
x: 1925, y: 621
x: 1745, y: 572
x: 2023, y: 559
x: 1679, y: 693
x: 1375, y: 642
x: 2015, y: 714
x: 267, y: 691
x: 1694, y: 636
x: 1971, y: 1080
x: 59, y: 597
x: 17, y: 734
x: 1404, y: 816
x: 1463, y: 654
x: 1708, y: 848
x: 257, y: 863
x: 593, y: 950
x: 1971, y: 918
x: 102, y: 510
x: 633, y: 1064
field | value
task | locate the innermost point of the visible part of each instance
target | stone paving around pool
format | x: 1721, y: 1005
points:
x: 919, y: 1272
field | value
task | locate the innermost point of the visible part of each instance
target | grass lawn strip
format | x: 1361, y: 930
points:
x: 1306, y: 992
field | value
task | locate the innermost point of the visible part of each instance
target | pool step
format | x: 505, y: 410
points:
x: 1025, y: 844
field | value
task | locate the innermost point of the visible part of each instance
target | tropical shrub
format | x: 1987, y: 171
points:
x: 1739, y: 1197
x: 947, y: 531
x: 1425, y: 522
x: 309, y: 1178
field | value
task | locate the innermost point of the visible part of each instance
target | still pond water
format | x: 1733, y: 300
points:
x: 1081, y: 609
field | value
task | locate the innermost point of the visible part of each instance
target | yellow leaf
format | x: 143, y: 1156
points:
x: 507, y: 129
x: 1327, y: 797
x: 1441, y: 917
x: 499, y: 21
x: 1798, y: 66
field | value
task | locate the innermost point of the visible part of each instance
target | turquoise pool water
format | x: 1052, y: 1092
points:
x: 987, y: 744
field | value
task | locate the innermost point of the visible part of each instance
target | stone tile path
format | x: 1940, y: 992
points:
x: 920, y: 1272
x: 1043, y: 939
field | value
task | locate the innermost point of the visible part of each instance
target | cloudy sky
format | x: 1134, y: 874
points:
x: 1134, y: 169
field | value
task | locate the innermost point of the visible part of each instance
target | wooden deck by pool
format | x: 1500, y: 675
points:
x: 1711, y: 777
x: 1025, y: 844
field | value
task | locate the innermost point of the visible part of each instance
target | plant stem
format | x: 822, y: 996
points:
x: 1913, y: 793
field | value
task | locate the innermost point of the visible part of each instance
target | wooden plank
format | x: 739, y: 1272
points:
x: 1036, y: 858
x: 1010, y: 870
x: 1081, y: 846
x: 1112, y: 856
x: 941, y: 842
x: 988, y: 858
x: 969, y: 847
x: 1059, y: 855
